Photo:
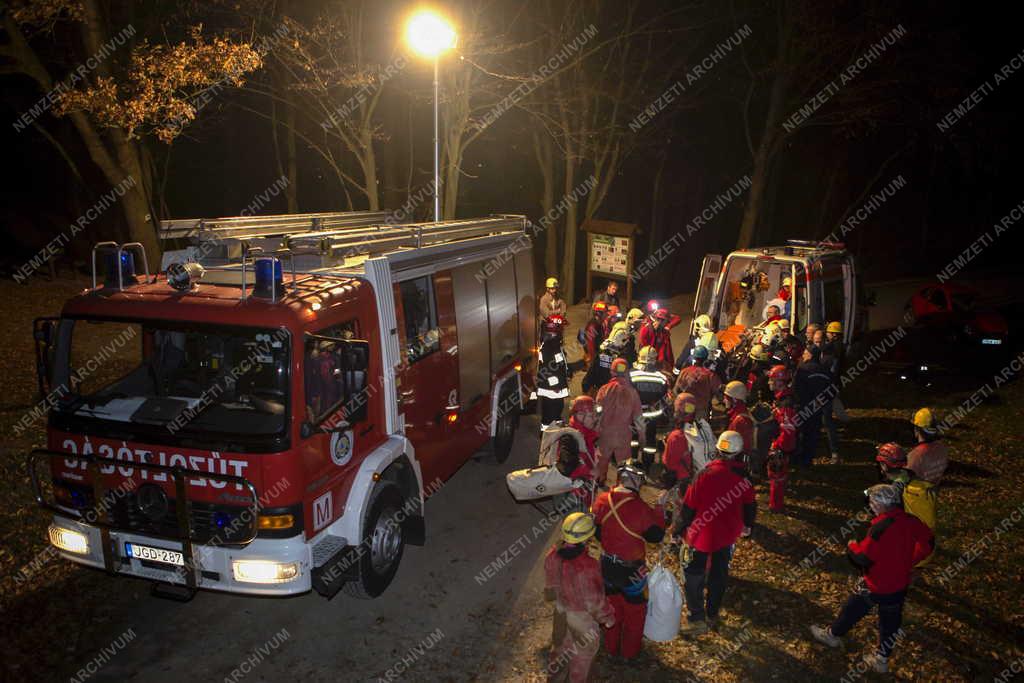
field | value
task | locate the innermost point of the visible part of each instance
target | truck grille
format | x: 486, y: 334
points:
x: 210, y: 523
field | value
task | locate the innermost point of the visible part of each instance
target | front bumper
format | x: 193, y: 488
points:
x: 213, y: 564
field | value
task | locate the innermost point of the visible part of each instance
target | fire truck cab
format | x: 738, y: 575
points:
x: 737, y: 292
x: 268, y: 415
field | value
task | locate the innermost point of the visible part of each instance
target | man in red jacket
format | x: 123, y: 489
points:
x: 583, y: 418
x: 783, y: 447
x: 719, y: 507
x: 739, y: 417
x: 572, y: 578
x: 895, y: 543
x: 657, y: 334
x: 625, y: 525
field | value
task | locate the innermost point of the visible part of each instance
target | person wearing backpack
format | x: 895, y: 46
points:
x: 625, y: 525
x: 572, y: 578
x: 919, y: 497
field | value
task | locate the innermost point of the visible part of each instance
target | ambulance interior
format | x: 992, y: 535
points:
x: 751, y: 285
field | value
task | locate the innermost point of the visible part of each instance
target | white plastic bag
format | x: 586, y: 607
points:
x: 664, y: 606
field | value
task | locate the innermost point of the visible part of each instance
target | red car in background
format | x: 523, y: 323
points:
x: 954, y: 312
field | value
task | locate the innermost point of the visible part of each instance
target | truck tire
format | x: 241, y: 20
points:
x: 508, y: 422
x: 383, y: 541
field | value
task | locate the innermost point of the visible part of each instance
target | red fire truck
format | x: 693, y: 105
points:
x: 268, y: 415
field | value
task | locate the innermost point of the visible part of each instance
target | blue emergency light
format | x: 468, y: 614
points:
x: 269, y: 278
x: 127, y: 268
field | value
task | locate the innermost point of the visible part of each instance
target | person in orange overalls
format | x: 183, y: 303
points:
x: 621, y: 410
x: 625, y: 525
x: 572, y: 578
x: 657, y: 334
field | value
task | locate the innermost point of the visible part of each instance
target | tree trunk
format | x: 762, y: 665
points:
x: 571, y: 231
x: 545, y: 161
x: 771, y: 138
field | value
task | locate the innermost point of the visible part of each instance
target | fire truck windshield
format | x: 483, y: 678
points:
x: 169, y: 379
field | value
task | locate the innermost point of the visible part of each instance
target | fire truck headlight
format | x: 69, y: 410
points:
x: 264, y: 571
x: 68, y: 540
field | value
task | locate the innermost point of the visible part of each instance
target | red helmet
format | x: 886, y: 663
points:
x: 892, y: 454
x: 620, y: 366
x: 779, y: 373
x: 651, y: 306
x: 582, y: 404
x: 553, y: 324
x: 685, y: 406
x: 599, y: 307
x: 661, y: 314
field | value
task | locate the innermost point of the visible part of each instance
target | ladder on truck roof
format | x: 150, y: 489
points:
x: 251, y: 227
x: 325, y: 242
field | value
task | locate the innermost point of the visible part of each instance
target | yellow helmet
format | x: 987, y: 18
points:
x: 647, y: 354
x: 787, y: 281
x: 702, y: 323
x: 634, y: 315
x: 835, y: 328
x: 620, y: 327
x: 551, y: 282
x: 577, y: 527
x: 923, y: 419
x: 757, y: 352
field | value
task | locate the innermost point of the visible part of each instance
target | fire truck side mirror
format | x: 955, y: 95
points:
x: 44, y: 333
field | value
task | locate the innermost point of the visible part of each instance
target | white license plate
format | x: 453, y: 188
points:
x: 162, y: 555
x: 992, y: 341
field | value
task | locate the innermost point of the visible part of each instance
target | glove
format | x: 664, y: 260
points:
x: 685, y: 554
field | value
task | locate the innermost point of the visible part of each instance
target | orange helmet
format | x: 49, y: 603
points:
x: 620, y: 366
x: 599, y: 307
x: 613, y: 311
x: 779, y: 373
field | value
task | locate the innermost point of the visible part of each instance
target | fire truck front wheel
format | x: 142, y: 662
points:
x: 507, y: 423
x: 383, y: 543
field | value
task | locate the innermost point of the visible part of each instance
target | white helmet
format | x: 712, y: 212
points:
x: 702, y: 324
x: 737, y: 390
x: 730, y: 443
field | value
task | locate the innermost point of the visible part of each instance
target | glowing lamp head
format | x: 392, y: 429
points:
x: 429, y: 34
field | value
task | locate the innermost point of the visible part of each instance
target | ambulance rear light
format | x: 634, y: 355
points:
x: 264, y: 571
x: 68, y: 540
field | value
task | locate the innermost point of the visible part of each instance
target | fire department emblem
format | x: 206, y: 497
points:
x: 341, y: 447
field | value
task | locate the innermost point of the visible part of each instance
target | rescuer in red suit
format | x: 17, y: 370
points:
x: 738, y: 415
x: 621, y: 412
x: 784, y: 445
x: 895, y: 543
x: 625, y: 525
x: 719, y: 507
x: 656, y: 333
x: 572, y: 578
x: 583, y: 418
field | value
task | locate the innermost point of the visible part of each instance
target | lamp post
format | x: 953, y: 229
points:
x: 429, y: 35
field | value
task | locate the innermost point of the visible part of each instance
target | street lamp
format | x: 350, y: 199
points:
x: 429, y: 35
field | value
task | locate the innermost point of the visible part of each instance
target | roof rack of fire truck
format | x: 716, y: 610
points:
x: 250, y: 227
x: 329, y: 242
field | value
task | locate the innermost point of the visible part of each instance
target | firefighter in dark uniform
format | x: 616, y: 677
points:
x: 625, y: 525
x: 552, y: 371
x: 652, y: 385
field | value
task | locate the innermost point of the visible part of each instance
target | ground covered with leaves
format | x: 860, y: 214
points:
x: 964, y: 618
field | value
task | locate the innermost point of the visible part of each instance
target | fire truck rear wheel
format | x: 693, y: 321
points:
x: 508, y: 422
x: 384, y: 541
